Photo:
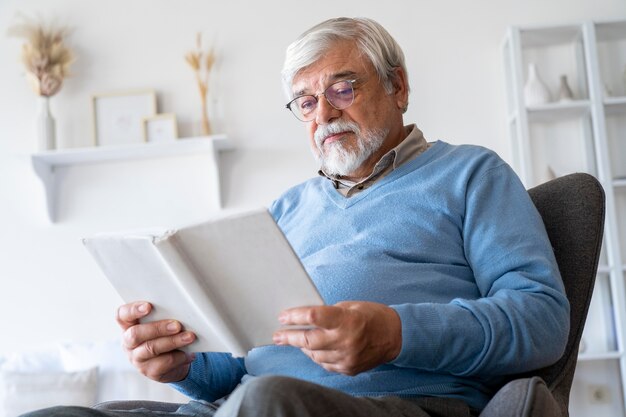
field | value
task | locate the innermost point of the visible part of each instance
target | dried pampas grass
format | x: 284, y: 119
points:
x: 202, y: 62
x: 45, y: 55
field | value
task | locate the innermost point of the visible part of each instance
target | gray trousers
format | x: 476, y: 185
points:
x: 275, y: 396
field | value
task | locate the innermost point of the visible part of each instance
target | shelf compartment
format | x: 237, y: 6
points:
x: 547, y: 141
x: 47, y: 163
x: 600, y: 338
x: 556, y: 51
x: 592, y: 375
x: 611, y: 46
x: 615, y: 123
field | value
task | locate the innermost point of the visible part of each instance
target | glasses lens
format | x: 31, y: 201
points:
x: 340, y: 95
x: 304, y: 107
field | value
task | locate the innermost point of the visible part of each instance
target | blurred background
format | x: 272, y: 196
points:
x: 51, y: 290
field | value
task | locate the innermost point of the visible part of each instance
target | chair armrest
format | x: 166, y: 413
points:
x: 134, y: 405
x: 526, y: 397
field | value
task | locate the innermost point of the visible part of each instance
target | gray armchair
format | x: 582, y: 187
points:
x: 572, y: 208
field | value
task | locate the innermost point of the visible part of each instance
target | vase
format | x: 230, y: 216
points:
x: 535, y: 91
x: 565, y: 93
x: 46, y: 126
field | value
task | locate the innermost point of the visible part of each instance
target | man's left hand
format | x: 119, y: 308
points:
x: 349, y: 337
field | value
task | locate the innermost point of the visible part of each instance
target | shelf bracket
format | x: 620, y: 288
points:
x: 45, y: 172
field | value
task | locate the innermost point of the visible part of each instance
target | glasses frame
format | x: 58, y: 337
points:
x: 317, y: 99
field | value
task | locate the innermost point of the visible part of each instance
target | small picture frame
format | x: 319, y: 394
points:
x: 118, y: 117
x: 160, y: 128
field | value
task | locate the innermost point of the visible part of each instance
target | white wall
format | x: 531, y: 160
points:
x: 50, y: 289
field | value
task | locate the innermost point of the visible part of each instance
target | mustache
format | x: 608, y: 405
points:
x: 324, y: 131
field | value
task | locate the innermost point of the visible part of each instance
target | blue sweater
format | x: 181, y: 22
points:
x: 452, y: 242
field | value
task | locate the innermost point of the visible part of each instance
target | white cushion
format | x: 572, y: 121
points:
x: 21, y: 392
x: 41, y: 359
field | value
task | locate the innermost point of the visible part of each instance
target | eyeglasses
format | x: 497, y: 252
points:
x: 340, y: 95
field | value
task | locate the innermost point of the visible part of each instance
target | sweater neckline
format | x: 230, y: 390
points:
x: 346, y: 202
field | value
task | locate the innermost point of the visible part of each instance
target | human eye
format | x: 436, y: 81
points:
x: 342, y: 89
x: 306, y: 104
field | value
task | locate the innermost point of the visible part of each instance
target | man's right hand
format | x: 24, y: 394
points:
x: 153, y: 348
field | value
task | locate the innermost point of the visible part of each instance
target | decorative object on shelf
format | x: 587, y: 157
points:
x: 47, y: 60
x: 535, y: 91
x: 565, y: 93
x: 160, y: 128
x: 202, y: 63
x: 118, y: 117
x: 46, y: 125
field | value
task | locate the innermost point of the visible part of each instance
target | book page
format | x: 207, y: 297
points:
x: 138, y: 271
x: 226, y: 279
x: 250, y: 270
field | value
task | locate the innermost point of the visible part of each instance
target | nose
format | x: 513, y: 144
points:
x: 325, y: 112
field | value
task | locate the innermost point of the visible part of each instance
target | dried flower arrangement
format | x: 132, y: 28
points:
x: 45, y: 55
x: 202, y: 62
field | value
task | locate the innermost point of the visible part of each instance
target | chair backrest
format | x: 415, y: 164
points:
x: 572, y: 208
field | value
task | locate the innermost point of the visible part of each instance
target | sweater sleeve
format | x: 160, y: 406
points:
x: 521, y: 319
x: 211, y: 376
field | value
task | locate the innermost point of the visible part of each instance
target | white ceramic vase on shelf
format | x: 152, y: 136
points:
x: 535, y: 91
x: 46, y: 126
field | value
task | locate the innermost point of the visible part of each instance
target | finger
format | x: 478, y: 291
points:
x: 312, y: 339
x: 328, y: 357
x: 161, y: 346
x: 140, y: 333
x: 129, y: 314
x: 169, y: 367
x: 327, y: 317
x: 330, y: 361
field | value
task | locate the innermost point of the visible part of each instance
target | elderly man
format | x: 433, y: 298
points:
x: 436, y: 270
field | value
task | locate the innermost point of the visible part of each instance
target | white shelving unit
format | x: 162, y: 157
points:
x: 587, y: 134
x: 47, y: 163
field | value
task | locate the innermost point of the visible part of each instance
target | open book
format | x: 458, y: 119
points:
x: 226, y: 279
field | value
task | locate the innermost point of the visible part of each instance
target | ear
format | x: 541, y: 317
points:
x: 400, y: 88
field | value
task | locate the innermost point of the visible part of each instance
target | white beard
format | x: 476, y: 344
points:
x: 335, y: 159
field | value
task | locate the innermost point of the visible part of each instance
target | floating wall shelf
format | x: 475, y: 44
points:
x: 47, y: 163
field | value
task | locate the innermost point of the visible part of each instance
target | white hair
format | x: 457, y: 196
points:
x: 371, y: 38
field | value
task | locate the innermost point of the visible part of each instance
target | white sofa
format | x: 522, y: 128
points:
x: 73, y: 374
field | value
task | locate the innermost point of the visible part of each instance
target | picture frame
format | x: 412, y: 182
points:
x: 160, y: 128
x: 118, y: 116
